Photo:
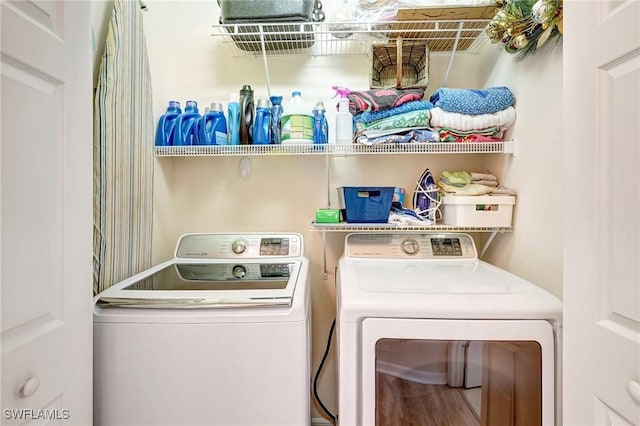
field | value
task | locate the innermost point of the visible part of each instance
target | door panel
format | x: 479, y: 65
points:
x: 46, y: 196
x: 602, y: 211
x: 512, y: 393
x: 32, y: 220
x: 617, y: 326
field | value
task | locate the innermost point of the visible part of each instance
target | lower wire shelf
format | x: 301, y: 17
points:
x: 392, y: 227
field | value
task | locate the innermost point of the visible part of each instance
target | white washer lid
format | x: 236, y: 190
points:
x: 191, y: 284
x: 451, y: 289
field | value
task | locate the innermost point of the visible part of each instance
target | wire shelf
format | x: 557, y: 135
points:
x: 349, y: 38
x: 386, y: 227
x: 506, y: 147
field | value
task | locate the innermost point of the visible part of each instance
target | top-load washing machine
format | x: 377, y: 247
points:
x: 428, y: 334
x: 218, y: 335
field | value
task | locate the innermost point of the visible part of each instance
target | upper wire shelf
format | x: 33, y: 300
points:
x: 506, y: 147
x: 350, y: 38
x: 386, y: 227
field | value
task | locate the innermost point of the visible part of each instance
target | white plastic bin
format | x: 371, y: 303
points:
x: 480, y: 210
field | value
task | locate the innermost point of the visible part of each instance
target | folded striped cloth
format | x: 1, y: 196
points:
x: 418, y: 118
x: 371, y: 116
x: 377, y: 99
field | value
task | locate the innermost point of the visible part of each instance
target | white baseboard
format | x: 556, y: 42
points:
x: 319, y: 421
x: 417, y: 376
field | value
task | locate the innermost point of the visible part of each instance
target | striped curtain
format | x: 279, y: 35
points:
x: 123, y: 152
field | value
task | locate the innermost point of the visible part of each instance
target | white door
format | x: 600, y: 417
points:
x: 602, y: 212
x: 46, y: 219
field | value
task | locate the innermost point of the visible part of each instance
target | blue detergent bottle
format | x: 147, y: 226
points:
x: 233, y: 123
x: 167, y: 123
x: 262, y: 123
x: 213, y: 126
x: 320, y: 125
x: 186, y: 129
x: 276, y: 115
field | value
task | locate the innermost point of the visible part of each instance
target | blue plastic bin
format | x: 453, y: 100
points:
x: 365, y: 204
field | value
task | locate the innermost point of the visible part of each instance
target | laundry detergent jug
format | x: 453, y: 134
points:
x: 186, y: 129
x: 167, y: 123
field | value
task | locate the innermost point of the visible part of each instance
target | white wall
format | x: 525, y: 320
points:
x: 282, y: 193
x: 534, y: 250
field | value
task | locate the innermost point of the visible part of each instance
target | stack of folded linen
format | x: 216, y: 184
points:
x: 468, y: 115
x: 391, y: 115
x: 471, y: 183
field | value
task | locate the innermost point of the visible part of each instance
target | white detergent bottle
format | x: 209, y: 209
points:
x: 344, y: 118
x: 297, y: 122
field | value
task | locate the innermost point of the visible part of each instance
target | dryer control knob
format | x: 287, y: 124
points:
x: 410, y: 246
x: 239, y: 271
x: 239, y: 246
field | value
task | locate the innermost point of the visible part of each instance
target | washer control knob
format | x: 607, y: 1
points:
x: 239, y: 246
x: 410, y: 246
x: 239, y: 271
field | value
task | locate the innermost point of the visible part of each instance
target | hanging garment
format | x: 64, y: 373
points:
x: 123, y: 152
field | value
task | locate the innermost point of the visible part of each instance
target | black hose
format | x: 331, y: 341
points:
x: 315, y: 380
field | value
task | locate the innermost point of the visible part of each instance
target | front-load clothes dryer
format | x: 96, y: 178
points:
x: 428, y: 334
x: 218, y: 335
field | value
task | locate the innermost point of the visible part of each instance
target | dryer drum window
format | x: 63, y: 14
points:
x: 458, y: 382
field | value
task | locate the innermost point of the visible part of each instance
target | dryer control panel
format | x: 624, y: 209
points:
x: 411, y: 246
x: 239, y: 246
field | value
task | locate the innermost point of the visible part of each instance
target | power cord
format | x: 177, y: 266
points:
x: 315, y: 380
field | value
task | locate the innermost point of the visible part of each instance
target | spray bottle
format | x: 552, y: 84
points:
x: 344, y: 118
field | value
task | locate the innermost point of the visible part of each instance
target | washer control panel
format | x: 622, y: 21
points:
x: 416, y: 246
x: 234, y: 246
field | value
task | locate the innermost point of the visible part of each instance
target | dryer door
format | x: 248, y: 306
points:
x: 462, y: 373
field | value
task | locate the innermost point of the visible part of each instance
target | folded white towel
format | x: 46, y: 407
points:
x: 492, y: 183
x: 465, y: 122
x: 482, y: 176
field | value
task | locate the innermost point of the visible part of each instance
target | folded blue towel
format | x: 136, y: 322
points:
x: 468, y: 101
x: 371, y: 116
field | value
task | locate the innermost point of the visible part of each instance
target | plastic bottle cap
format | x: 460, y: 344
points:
x: 215, y: 106
x: 343, y: 105
x: 174, y: 104
x: 296, y: 93
x: 192, y: 104
x: 320, y: 106
x: 234, y: 97
x: 276, y: 100
x: 264, y: 103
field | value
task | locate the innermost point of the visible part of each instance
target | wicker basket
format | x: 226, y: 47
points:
x: 403, y: 65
